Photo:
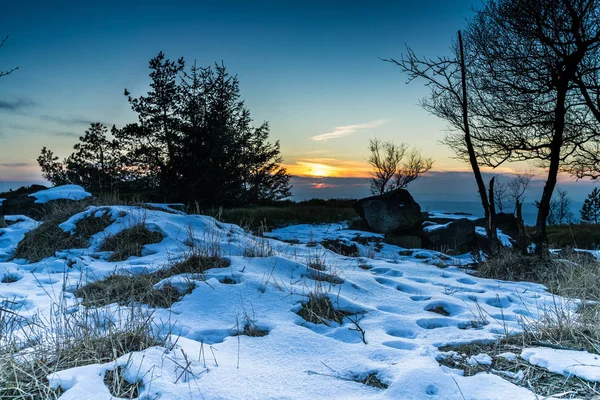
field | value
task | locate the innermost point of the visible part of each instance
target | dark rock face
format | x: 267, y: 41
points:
x: 392, y: 212
x: 18, y: 202
x: 508, y: 224
x: 456, y: 234
x: 22, y: 205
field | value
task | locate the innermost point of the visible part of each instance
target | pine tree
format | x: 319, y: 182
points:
x: 590, y: 211
x: 95, y: 164
x: 194, y: 141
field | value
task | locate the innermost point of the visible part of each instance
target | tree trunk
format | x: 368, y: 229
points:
x: 555, y: 146
x: 522, y: 236
x: 490, y: 225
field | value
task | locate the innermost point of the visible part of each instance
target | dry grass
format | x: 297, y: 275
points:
x: 572, y: 274
x: 48, y: 238
x: 198, y: 264
x: 31, y: 352
x: 572, y: 322
x: 130, y: 242
x: 371, y: 380
x: 131, y: 289
x: 120, y: 387
x: 518, y: 371
x: 124, y: 288
x: 320, y: 310
x: 341, y: 248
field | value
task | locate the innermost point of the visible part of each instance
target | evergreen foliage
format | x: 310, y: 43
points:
x: 590, y: 211
x: 194, y: 141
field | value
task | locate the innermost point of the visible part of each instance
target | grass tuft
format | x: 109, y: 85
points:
x: 67, y: 340
x: 128, y: 289
x: 130, y: 242
x: 120, y: 387
x: 320, y: 310
x: 48, y: 238
x: 371, y: 380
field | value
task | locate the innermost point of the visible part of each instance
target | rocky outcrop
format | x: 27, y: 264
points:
x: 457, y: 234
x: 392, y: 212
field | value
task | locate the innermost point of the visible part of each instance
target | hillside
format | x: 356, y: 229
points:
x: 211, y: 311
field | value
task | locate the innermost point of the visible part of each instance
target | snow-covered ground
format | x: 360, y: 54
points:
x: 398, y: 302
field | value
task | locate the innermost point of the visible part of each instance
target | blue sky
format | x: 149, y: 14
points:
x: 309, y: 68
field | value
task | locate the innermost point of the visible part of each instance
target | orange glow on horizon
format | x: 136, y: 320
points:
x: 332, y: 168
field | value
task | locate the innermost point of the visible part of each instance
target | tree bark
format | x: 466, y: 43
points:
x: 553, y: 168
x: 485, y: 202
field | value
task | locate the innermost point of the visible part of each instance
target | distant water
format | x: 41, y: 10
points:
x: 475, y: 208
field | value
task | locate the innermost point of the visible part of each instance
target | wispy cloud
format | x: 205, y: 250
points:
x: 64, y: 134
x: 16, y: 104
x: 71, y: 121
x: 347, y: 130
x: 15, y: 165
x: 34, y: 129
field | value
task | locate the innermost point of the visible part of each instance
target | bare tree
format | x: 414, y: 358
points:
x: 501, y: 195
x: 532, y: 63
x: 7, y: 72
x: 560, y: 209
x: 395, y: 165
x: 385, y: 159
x: 411, y: 169
x: 4, y: 73
x: 448, y: 79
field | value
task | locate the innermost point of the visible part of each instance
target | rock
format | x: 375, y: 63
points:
x: 395, y: 211
x: 406, y: 241
x: 21, y: 205
x: 33, y: 202
x: 508, y: 224
x: 458, y: 234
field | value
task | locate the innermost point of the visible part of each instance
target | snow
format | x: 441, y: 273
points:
x: 480, y: 359
x: 447, y: 215
x: 393, y: 301
x: 502, y: 237
x: 70, y: 192
x: 566, y: 362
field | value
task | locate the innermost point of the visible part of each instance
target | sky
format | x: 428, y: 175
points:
x: 310, y: 68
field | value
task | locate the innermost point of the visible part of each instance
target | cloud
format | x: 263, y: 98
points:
x: 64, y: 134
x: 16, y: 104
x: 347, y: 130
x: 28, y: 128
x: 15, y: 165
x: 68, y: 121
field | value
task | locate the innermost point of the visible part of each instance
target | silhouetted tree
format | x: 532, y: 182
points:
x: 194, y: 141
x: 590, y: 211
x: 532, y: 62
x: 560, y: 209
x: 95, y: 164
x: 395, y: 165
x: 449, y: 80
x: 7, y: 72
x: 52, y: 169
x: 153, y: 144
x: 4, y: 73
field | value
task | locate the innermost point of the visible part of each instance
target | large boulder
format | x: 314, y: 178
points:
x: 457, y: 234
x: 33, y: 202
x: 392, y: 212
